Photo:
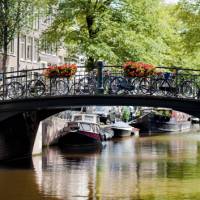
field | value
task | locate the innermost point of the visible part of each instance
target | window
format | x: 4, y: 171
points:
x: 36, y: 50
x: 60, y: 60
x: 12, y: 47
x: 89, y: 118
x: 29, y: 48
x: 23, y: 47
x: 85, y: 127
x: 1, y: 48
x: 78, y: 118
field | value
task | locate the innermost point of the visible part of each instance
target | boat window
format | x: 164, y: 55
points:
x: 97, y: 129
x: 85, y: 127
x: 89, y: 118
x: 78, y: 118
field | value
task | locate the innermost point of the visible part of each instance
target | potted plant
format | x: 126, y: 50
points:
x: 66, y: 70
x: 138, y: 69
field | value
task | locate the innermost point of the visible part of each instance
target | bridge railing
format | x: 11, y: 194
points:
x: 173, y: 82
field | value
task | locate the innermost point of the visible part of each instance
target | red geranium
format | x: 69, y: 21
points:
x: 66, y: 70
x: 138, y: 69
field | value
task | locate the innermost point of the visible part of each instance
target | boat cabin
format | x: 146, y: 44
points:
x: 89, y: 118
x: 85, y: 122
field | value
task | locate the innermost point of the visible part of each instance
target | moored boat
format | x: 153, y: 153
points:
x: 162, y: 120
x: 82, y: 131
x: 121, y: 129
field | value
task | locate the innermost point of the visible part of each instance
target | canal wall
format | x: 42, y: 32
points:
x: 37, y: 147
x: 17, y: 136
x: 51, y: 128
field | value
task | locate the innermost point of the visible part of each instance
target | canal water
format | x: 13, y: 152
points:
x: 161, y: 167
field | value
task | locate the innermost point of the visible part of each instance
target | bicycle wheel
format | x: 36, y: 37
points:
x: 189, y: 89
x: 62, y: 87
x: 164, y: 88
x: 1, y: 92
x: 118, y: 86
x: 15, y: 90
x: 147, y: 86
x: 107, y: 84
x: 87, y: 85
x: 36, y: 88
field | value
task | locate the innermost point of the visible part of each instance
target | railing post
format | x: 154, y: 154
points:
x: 100, y: 66
x: 177, y: 82
x: 4, y: 85
x: 26, y: 86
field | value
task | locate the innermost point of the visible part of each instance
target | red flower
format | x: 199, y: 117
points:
x: 138, y: 69
x: 66, y: 70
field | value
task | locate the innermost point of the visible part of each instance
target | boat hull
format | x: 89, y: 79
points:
x: 173, y: 127
x: 149, y: 126
x: 79, y: 139
x: 121, y: 132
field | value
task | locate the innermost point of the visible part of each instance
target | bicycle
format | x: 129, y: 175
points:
x: 89, y: 84
x: 169, y: 84
x: 59, y: 86
x: 131, y: 85
x: 16, y: 89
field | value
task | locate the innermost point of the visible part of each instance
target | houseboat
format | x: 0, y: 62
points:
x: 82, y: 131
x: 160, y: 120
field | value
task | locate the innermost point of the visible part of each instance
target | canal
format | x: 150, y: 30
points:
x: 159, y: 167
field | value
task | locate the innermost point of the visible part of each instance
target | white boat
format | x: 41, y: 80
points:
x: 121, y: 129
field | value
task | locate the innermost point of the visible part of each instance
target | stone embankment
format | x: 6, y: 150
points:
x: 51, y: 128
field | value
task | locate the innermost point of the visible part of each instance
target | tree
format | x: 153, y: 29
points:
x: 110, y: 30
x: 189, y: 14
x: 13, y: 16
x: 125, y: 114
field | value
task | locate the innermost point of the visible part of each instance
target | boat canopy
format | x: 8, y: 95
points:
x: 88, y: 118
x: 163, y: 108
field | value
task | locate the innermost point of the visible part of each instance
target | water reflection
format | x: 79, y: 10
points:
x: 18, y: 181
x: 162, y: 167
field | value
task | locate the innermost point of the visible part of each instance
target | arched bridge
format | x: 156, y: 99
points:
x: 28, y: 96
x: 168, y: 87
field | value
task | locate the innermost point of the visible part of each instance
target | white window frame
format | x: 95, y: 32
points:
x: 12, y: 47
x: 23, y: 47
x: 36, y: 50
x: 29, y: 47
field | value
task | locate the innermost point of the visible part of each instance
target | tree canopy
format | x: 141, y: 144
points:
x: 109, y: 30
x: 117, y: 30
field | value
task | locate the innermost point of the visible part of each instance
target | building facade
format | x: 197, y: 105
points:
x: 27, y: 50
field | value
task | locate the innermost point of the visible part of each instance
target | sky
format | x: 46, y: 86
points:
x: 171, y: 1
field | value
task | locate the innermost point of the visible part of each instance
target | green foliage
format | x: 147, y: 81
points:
x: 113, y: 30
x: 116, y: 31
x: 125, y: 114
x: 189, y: 14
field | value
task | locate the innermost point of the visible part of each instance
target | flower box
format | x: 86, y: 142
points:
x: 138, y: 69
x: 66, y: 70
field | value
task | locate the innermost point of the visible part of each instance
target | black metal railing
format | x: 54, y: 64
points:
x: 106, y: 80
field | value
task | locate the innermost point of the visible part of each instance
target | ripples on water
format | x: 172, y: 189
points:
x: 161, y: 168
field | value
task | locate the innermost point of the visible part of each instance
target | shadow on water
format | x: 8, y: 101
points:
x: 25, y: 163
x: 19, y: 181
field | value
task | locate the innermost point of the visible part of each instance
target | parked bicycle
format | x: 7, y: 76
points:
x: 170, y: 84
x: 59, y: 86
x: 89, y: 83
x: 22, y: 86
x: 131, y: 85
